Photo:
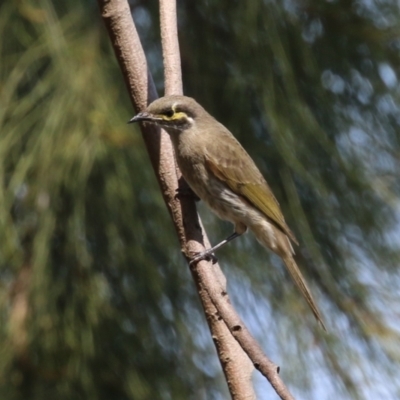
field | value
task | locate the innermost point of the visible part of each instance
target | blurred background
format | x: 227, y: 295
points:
x: 96, y: 301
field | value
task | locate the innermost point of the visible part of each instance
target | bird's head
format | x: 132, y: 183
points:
x: 174, y: 113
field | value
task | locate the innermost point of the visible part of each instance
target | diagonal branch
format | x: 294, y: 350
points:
x: 237, y: 367
x: 209, y: 280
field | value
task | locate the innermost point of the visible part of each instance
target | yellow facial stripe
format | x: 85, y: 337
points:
x: 176, y: 116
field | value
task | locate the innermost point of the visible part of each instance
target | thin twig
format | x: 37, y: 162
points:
x: 170, y: 47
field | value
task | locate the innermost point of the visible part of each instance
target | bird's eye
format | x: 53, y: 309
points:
x: 169, y: 113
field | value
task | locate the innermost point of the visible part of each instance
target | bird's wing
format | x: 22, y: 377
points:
x: 242, y: 176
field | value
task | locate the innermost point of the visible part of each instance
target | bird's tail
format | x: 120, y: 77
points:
x: 297, y: 276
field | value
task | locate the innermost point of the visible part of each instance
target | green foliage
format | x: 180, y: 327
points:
x: 310, y: 89
x: 89, y: 306
x: 95, y: 301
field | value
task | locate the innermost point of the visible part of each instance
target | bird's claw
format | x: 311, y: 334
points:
x: 204, y: 255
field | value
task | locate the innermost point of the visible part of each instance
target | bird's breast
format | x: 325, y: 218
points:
x: 222, y: 201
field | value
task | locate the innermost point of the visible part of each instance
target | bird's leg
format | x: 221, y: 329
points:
x: 208, y: 253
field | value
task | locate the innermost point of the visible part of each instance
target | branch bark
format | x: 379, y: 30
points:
x: 209, y: 279
x: 236, y: 365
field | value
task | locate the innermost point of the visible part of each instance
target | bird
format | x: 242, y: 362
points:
x: 222, y: 174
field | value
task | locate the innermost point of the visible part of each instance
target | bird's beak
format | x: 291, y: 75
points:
x: 143, y: 116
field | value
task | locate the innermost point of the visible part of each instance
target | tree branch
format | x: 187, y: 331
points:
x: 236, y: 365
x: 209, y: 279
x: 170, y: 48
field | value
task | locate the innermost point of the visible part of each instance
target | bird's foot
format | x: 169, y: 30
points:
x: 204, y: 255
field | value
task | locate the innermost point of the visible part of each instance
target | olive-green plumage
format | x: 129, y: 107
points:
x: 222, y: 174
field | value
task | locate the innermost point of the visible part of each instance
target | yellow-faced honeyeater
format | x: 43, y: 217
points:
x: 223, y: 175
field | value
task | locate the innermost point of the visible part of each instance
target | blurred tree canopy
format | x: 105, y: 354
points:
x: 95, y: 299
